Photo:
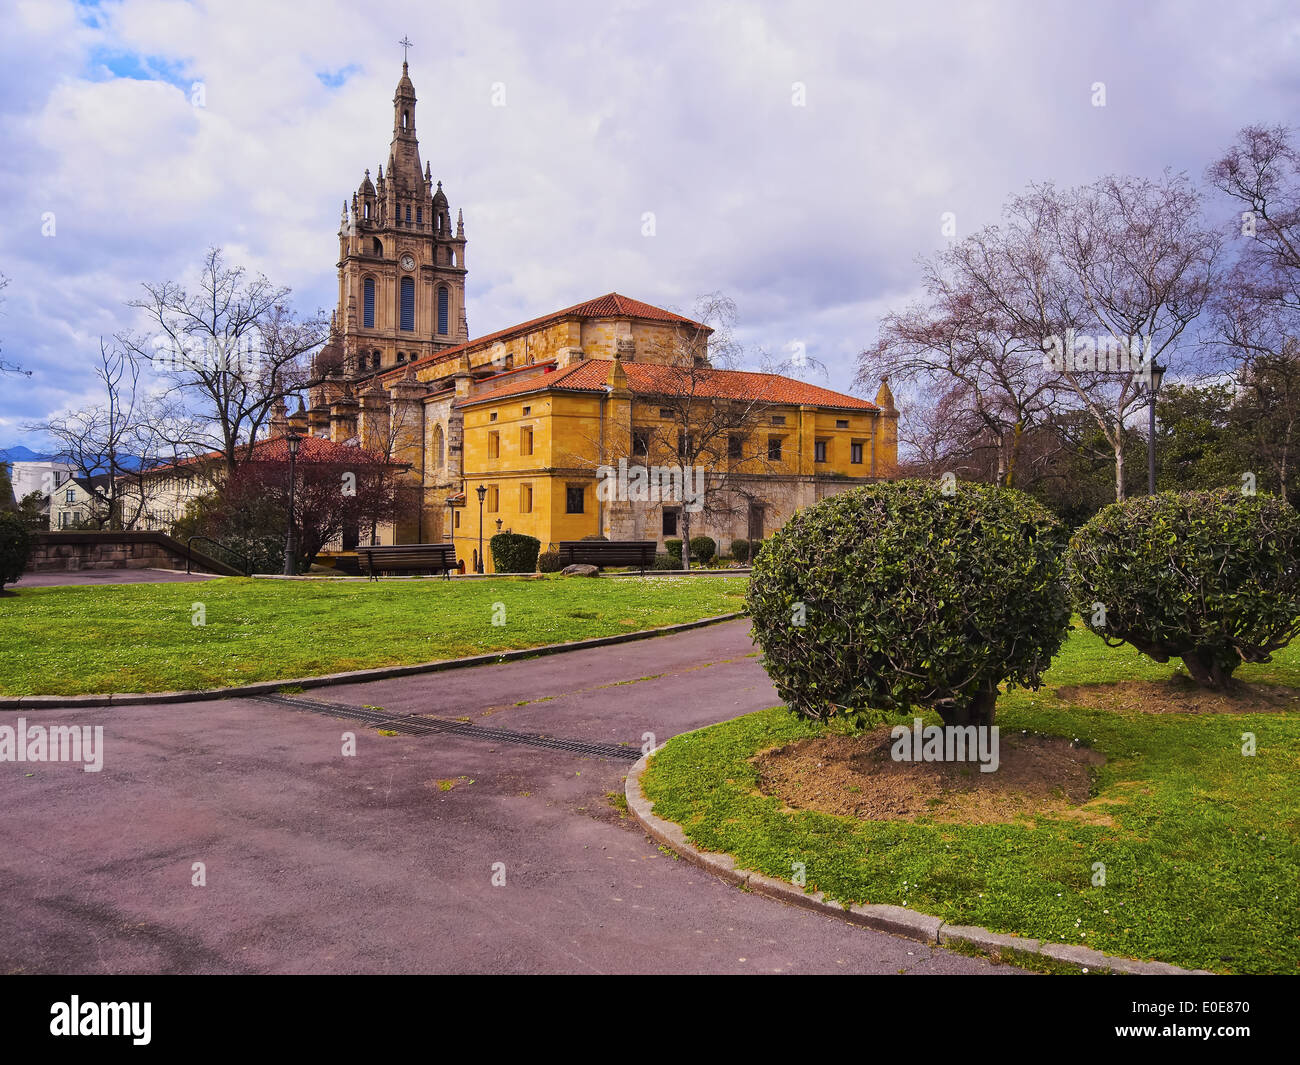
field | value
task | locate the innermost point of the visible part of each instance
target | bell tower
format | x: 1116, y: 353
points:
x: 401, y: 264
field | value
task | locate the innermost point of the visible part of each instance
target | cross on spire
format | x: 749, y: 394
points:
x: 406, y: 44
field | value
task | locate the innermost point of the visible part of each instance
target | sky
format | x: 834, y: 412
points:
x: 798, y: 157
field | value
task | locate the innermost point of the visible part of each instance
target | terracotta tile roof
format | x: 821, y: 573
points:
x: 644, y: 378
x: 274, y: 449
x: 610, y: 305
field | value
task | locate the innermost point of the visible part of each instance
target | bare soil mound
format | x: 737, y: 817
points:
x: 1181, y: 695
x: 856, y: 777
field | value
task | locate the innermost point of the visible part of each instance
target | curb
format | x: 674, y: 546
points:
x: 895, y: 920
x: 270, y: 687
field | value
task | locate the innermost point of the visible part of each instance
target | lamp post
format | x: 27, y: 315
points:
x: 481, y: 492
x: 290, y: 541
x: 1153, y: 387
x: 498, y: 524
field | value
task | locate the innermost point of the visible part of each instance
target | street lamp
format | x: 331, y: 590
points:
x: 481, y: 492
x: 290, y: 543
x: 1153, y: 386
x: 498, y: 524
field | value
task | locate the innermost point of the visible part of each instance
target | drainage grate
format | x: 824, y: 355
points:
x: 425, y: 726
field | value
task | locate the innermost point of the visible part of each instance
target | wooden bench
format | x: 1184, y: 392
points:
x: 407, y: 558
x: 640, y: 553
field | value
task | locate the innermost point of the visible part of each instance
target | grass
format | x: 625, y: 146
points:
x: 1202, y: 858
x: 140, y: 637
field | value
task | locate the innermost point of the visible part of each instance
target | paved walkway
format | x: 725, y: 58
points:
x: 52, y: 578
x: 384, y: 862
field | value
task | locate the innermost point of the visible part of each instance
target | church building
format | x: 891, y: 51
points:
x: 538, y: 414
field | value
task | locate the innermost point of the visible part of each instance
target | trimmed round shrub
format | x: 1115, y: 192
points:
x: 514, y: 552
x: 703, y: 548
x: 667, y: 562
x: 674, y: 548
x: 1212, y: 578
x: 549, y: 562
x: 740, y: 550
x: 894, y: 596
x: 16, y: 544
x: 597, y: 536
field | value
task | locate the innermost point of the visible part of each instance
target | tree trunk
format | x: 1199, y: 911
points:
x: 978, y: 710
x: 1119, y: 472
x: 1207, y: 670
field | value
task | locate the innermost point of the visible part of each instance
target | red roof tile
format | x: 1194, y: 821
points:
x: 610, y: 305
x: 645, y: 378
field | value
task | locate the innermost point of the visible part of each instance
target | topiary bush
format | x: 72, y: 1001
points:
x: 1212, y: 578
x: 740, y: 550
x: 514, y: 552
x: 549, y: 562
x: 703, y: 548
x: 894, y: 596
x: 667, y: 562
x: 674, y: 548
x: 16, y: 544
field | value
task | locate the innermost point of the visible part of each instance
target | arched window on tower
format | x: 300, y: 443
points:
x: 368, y: 303
x: 437, y: 447
x: 419, y: 216
x: 444, y: 301
x: 408, y: 212
x: 379, y: 247
x: 365, y: 213
x: 408, y: 305
x: 406, y: 118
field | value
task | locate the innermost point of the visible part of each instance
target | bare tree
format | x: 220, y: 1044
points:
x: 5, y: 366
x: 231, y: 346
x: 118, y: 439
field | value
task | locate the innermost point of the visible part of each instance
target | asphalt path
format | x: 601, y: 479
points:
x: 431, y: 853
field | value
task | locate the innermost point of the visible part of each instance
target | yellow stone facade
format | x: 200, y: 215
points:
x: 457, y: 413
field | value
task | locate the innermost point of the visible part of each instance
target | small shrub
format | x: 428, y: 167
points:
x: 894, y: 595
x: 674, y: 548
x: 549, y: 562
x: 597, y: 536
x: 703, y: 548
x: 16, y: 543
x: 1212, y: 578
x: 740, y: 550
x: 514, y: 552
x: 667, y: 562
x: 755, y: 547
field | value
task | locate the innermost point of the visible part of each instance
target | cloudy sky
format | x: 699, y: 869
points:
x: 796, y: 156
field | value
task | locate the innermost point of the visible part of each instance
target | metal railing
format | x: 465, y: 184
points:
x: 246, y: 565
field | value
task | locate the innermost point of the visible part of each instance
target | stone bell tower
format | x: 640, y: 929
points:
x: 401, y: 263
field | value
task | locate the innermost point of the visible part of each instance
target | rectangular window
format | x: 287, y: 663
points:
x: 492, y: 417
x: 70, y: 495
x: 670, y: 523
x: 574, y: 496
x: 408, y: 305
x: 641, y: 442
x: 368, y: 311
x: 525, y: 499
x: 444, y: 308
x: 63, y: 518
x: 778, y: 419
x: 494, y: 499
x: 666, y: 412
x: 773, y: 449
x: 841, y: 423
x: 494, y: 445
x: 526, y: 440
x: 735, y: 445
x: 419, y: 216
x: 855, y: 452
x: 456, y: 523
x: 528, y: 411
x: 819, y: 451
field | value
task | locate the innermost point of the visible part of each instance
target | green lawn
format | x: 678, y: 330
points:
x: 140, y: 637
x: 1202, y: 859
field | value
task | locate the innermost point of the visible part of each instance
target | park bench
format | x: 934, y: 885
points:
x: 407, y: 558
x: 640, y: 553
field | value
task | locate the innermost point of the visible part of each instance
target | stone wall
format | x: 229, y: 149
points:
x: 114, y: 550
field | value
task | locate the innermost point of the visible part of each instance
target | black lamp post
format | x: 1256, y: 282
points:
x: 290, y: 541
x: 481, y: 492
x: 1153, y: 386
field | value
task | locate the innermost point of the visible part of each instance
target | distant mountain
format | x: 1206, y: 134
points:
x: 18, y: 453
